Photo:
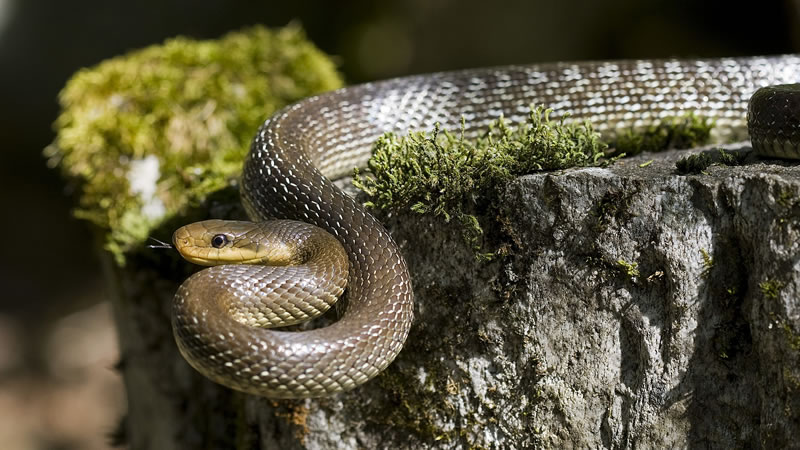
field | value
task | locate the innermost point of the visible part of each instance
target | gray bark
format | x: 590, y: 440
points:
x: 563, y: 343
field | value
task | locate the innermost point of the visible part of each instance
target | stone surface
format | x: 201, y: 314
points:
x: 637, y: 308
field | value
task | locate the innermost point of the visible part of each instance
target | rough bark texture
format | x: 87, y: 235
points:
x: 636, y: 308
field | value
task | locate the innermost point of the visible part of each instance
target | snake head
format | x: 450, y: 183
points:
x: 217, y: 242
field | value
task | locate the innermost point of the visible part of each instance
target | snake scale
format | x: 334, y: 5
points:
x: 300, y: 149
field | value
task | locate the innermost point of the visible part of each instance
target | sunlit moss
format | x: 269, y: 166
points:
x: 671, y: 133
x: 443, y: 174
x: 629, y: 269
x: 147, y: 134
x: 693, y: 164
x: 698, y: 163
x: 708, y: 263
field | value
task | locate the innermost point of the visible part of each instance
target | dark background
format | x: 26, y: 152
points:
x: 47, y: 265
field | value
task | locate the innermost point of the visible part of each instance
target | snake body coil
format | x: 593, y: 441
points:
x: 302, y: 147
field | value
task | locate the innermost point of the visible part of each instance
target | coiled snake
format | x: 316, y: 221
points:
x: 217, y: 319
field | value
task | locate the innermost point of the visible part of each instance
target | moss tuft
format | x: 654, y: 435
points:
x: 771, y: 288
x: 681, y: 132
x: 708, y: 263
x: 730, y: 158
x: 698, y: 163
x: 630, y: 270
x: 694, y: 164
x: 792, y: 338
x: 786, y: 198
x: 445, y: 174
x: 147, y: 134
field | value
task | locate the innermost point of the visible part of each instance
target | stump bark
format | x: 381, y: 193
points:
x: 634, y: 307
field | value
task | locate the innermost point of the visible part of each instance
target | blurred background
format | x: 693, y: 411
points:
x: 58, y: 389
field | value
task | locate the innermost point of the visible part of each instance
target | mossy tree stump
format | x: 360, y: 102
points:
x: 625, y: 306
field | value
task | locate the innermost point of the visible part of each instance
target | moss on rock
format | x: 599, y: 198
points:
x: 445, y: 175
x: 680, y: 132
x: 150, y: 133
x: 771, y: 288
x: 699, y: 162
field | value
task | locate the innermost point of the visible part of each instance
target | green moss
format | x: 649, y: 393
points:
x: 670, y: 133
x: 446, y: 175
x: 698, y: 163
x: 792, y: 338
x: 771, y: 288
x: 792, y: 381
x: 708, y: 263
x: 786, y: 198
x: 630, y: 270
x: 731, y: 158
x: 148, y: 134
x: 790, y: 373
x: 646, y: 163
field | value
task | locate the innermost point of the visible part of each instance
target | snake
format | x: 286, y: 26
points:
x: 221, y: 321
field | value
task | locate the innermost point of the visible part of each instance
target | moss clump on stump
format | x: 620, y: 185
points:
x: 698, y: 163
x: 679, y: 132
x: 147, y: 134
x: 444, y: 174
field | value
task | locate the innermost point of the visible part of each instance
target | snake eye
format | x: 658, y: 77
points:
x: 219, y: 241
